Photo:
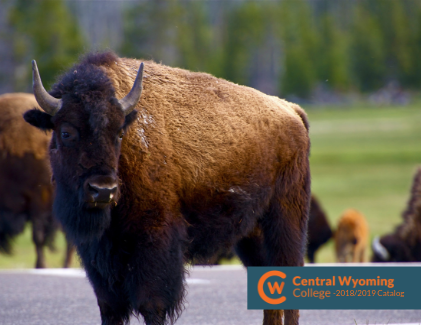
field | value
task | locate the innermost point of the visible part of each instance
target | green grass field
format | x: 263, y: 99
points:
x: 362, y: 157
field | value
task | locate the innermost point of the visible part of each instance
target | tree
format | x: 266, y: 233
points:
x: 43, y: 30
x: 367, y: 50
x: 151, y: 31
x: 300, y: 46
x: 333, y: 54
x: 395, y: 21
x: 197, y: 43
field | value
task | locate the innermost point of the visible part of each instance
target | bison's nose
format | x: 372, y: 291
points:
x: 102, y: 193
x: 100, y: 190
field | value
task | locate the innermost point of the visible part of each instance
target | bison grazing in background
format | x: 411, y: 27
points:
x: 319, y: 231
x: 25, y: 189
x: 351, y: 237
x: 196, y: 166
x: 404, y: 245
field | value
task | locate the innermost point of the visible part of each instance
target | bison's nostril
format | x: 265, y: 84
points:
x: 93, y: 191
x: 102, y: 193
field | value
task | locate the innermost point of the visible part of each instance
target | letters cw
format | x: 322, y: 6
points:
x: 272, y: 288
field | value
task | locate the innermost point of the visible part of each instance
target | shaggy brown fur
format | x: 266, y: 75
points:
x: 216, y: 127
x: 206, y: 165
x: 25, y: 188
x: 16, y: 136
x: 404, y: 245
x: 411, y: 228
x: 351, y: 237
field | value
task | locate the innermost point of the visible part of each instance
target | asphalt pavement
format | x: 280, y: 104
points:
x: 216, y: 296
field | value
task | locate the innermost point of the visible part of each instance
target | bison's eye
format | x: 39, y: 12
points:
x: 121, y: 134
x: 69, y: 135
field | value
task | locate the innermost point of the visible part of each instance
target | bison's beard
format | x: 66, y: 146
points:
x: 81, y: 224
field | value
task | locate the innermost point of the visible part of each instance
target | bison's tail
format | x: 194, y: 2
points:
x: 302, y: 114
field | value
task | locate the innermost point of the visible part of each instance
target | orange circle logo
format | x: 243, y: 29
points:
x: 272, y: 289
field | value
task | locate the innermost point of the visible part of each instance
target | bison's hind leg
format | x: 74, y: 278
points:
x: 252, y: 252
x: 285, y: 226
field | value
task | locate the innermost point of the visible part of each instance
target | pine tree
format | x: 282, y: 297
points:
x: 300, y: 45
x: 367, y: 50
x: 45, y: 31
x: 245, y: 33
x: 333, y: 54
x: 151, y: 31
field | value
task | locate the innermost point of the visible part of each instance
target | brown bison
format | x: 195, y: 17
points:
x: 404, y: 245
x: 25, y: 189
x: 319, y: 231
x: 351, y: 237
x: 197, y: 165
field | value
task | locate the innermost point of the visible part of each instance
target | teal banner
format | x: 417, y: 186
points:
x: 353, y: 287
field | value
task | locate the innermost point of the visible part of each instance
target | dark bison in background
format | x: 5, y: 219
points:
x: 404, y: 245
x: 197, y: 166
x: 318, y: 233
x: 319, y: 230
x: 25, y: 189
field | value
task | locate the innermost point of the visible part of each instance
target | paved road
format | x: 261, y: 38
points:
x: 216, y: 296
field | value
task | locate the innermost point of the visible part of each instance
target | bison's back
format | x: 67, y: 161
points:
x: 208, y: 128
x: 17, y: 137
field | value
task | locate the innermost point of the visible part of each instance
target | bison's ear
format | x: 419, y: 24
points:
x: 130, y: 118
x: 39, y: 119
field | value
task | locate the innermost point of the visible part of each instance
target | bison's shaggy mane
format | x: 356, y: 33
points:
x: 413, y: 210
x: 87, y: 82
x: 410, y: 229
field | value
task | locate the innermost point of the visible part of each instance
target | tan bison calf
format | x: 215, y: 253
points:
x: 351, y: 237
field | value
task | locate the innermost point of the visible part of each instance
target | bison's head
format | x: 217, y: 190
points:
x: 391, y: 248
x: 88, y: 124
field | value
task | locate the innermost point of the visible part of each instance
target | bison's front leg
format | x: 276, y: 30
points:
x: 158, y: 268
x: 105, y: 277
x: 112, y: 302
x: 112, y: 315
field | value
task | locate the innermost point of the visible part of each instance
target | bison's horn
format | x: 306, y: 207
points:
x: 47, y: 102
x: 380, y: 249
x: 129, y: 102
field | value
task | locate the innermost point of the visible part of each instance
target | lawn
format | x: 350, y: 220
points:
x: 24, y: 253
x: 362, y: 157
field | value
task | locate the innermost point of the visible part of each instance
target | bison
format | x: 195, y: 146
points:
x: 351, y: 237
x: 147, y: 181
x: 404, y: 245
x: 25, y: 187
x: 319, y: 231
